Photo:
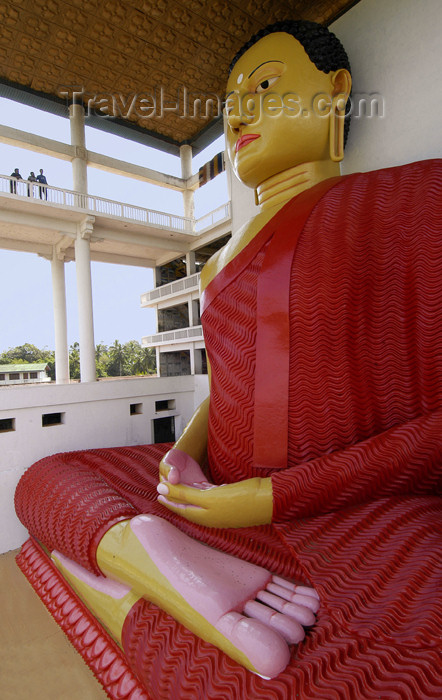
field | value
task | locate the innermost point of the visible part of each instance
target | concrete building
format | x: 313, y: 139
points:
x: 24, y: 374
x: 179, y: 339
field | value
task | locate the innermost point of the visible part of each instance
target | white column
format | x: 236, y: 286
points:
x: 191, y: 314
x: 157, y: 278
x: 198, y: 362
x: 84, y: 295
x: 78, y: 140
x: 190, y: 263
x: 192, y: 359
x: 60, y: 320
x: 157, y: 354
x: 186, y: 172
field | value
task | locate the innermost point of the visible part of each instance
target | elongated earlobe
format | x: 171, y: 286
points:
x: 341, y: 81
x: 337, y: 118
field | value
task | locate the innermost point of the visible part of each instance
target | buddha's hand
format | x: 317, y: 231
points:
x: 242, y: 504
x: 177, y: 467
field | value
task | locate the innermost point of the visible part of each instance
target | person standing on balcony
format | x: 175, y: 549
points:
x: 31, y: 178
x: 42, y: 180
x: 13, y: 184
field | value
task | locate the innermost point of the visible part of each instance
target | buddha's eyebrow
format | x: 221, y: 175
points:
x: 263, y: 64
x: 254, y: 71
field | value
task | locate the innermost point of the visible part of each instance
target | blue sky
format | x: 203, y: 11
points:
x: 25, y: 279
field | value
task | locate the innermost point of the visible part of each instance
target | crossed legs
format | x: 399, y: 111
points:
x: 239, y: 607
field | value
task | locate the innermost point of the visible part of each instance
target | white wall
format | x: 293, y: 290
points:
x: 394, y: 50
x: 95, y: 415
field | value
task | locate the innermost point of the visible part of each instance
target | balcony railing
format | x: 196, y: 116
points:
x: 185, y: 284
x: 191, y: 333
x: 214, y: 217
x: 96, y: 205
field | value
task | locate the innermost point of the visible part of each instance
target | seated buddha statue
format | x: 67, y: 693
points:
x: 314, y: 461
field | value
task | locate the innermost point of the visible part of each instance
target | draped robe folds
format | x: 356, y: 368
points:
x: 357, y: 437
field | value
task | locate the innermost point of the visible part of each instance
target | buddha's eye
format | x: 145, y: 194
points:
x: 265, y: 84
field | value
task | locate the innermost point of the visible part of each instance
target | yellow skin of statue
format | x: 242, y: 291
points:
x: 274, y: 75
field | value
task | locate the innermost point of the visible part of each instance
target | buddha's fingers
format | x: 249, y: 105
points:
x: 303, y: 615
x: 265, y: 648
x: 289, y: 628
x: 302, y: 590
x: 305, y: 600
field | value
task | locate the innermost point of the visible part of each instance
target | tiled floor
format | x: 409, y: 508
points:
x: 36, y: 660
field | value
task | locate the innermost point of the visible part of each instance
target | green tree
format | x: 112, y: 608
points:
x: 132, y: 351
x: 25, y: 354
x: 51, y: 365
x: 101, y: 359
x: 117, y: 357
x: 74, y: 361
x: 29, y: 354
x: 147, y: 361
x: 118, y: 360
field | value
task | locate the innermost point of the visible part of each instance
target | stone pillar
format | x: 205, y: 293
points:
x: 190, y: 263
x: 186, y: 172
x: 78, y: 140
x: 157, y: 277
x: 198, y: 362
x: 157, y: 355
x: 60, y: 319
x: 192, y: 360
x: 193, y: 313
x: 84, y: 295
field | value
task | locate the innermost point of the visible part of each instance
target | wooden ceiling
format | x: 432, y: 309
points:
x: 168, y: 53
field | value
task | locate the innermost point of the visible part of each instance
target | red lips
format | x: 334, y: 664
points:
x: 244, y: 140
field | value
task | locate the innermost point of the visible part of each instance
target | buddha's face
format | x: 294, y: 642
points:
x: 278, y: 106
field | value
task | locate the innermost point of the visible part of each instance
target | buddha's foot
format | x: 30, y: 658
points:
x: 241, y: 608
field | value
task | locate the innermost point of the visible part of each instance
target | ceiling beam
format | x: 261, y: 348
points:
x: 40, y: 222
x: 64, y: 151
x: 145, y: 240
x: 122, y: 259
x: 26, y: 247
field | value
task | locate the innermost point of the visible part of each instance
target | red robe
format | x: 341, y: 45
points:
x: 354, y: 461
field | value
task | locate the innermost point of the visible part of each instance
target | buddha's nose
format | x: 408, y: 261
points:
x: 238, y: 119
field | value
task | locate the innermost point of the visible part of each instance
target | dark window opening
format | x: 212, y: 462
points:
x: 136, y: 409
x: 173, y: 318
x: 52, y: 419
x: 164, y: 429
x: 13, y: 376
x: 202, y: 357
x: 174, y: 270
x: 25, y: 375
x: 165, y: 405
x: 7, y: 424
x: 175, y: 364
x: 33, y: 375
x: 2, y: 377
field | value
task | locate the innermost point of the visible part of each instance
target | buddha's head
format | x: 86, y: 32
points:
x: 286, y: 100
